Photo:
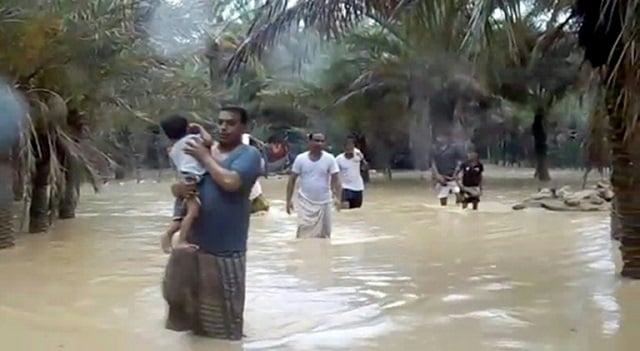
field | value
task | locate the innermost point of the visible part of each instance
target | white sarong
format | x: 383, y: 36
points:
x: 314, y: 219
x: 451, y: 187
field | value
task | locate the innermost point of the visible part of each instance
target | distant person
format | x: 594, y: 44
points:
x: 446, y: 159
x: 471, y: 191
x: 190, y: 171
x: 350, y: 163
x: 318, y: 173
x: 205, y: 290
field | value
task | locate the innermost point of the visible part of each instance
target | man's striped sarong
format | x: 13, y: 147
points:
x: 206, y: 293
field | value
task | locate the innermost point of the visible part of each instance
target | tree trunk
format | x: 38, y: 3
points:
x: 615, y: 221
x: 540, y: 145
x: 70, y: 192
x: 7, y: 229
x: 625, y: 179
x: 39, y: 220
x: 420, y: 129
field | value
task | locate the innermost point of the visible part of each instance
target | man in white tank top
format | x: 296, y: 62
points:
x: 319, y: 186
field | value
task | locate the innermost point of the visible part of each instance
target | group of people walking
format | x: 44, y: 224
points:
x: 217, y: 190
x: 204, y: 283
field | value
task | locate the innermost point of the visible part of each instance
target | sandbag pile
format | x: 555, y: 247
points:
x: 597, y: 198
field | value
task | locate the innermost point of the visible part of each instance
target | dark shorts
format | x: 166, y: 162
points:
x: 353, y: 198
x: 470, y: 194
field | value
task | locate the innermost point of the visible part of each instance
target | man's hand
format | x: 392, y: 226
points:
x: 440, y: 179
x: 199, y: 129
x: 182, y: 190
x: 197, y: 150
x: 289, y: 207
x: 337, y: 203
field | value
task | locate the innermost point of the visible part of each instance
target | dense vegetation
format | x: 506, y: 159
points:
x: 547, y: 83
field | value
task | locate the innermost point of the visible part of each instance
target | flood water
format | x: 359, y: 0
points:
x: 400, y: 273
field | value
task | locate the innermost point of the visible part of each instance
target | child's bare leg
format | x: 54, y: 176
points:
x: 165, y: 241
x: 192, y: 212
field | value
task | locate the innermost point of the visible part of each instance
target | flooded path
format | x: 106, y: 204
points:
x: 401, y: 273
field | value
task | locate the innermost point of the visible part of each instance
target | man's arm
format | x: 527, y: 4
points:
x: 291, y: 183
x: 296, y: 169
x: 336, y: 187
x: 434, y: 169
x: 245, y: 169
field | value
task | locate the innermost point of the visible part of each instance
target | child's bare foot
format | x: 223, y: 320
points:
x: 179, y: 243
x: 186, y: 246
x: 165, y: 243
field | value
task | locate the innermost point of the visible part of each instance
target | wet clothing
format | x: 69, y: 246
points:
x: 472, y: 174
x: 350, y: 176
x: 471, y: 181
x: 444, y: 190
x: 223, y: 223
x: 447, y: 157
x: 205, y: 293
x: 352, y: 197
x: 206, y: 290
x: 190, y: 170
x: 315, y: 176
x: 314, y: 218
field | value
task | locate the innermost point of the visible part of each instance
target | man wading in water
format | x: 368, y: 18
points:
x: 206, y: 289
x: 350, y: 162
x: 446, y: 159
x: 318, y: 173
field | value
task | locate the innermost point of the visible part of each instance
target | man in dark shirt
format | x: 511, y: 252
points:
x: 447, y: 157
x: 471, y: 181
x: 213, y: 304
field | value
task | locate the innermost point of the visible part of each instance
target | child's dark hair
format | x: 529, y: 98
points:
x: 175, y: 127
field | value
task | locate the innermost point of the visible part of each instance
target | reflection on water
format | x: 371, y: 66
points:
x: 401, y: 273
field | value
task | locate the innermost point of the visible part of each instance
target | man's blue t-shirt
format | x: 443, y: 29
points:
x: 222, y: 225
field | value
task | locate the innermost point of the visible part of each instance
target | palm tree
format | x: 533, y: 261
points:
x: 610, y: 36
x: 457, y: 33
x: 70, y: 46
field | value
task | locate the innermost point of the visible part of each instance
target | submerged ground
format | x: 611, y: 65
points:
x: 400, y: 273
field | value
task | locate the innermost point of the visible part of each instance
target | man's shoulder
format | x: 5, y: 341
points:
x: 249, y: 151
x: 340, y: 156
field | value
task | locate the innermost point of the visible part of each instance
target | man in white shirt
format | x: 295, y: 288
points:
x: 350, y: 163
x: 318, y: 174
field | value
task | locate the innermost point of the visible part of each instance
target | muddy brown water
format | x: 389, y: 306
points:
x: 401, y: 273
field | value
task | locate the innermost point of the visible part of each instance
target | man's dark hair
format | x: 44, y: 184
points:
x: 237, y: 110
x: 175, y: 127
